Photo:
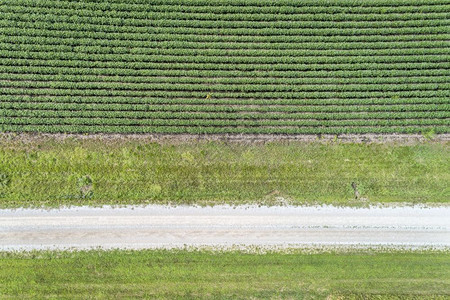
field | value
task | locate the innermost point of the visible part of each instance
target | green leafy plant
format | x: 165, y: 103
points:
x: 5, y: 181
x: 429, y: 135
x: 85, y: 186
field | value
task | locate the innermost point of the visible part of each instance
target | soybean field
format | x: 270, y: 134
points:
x: 225, y: 66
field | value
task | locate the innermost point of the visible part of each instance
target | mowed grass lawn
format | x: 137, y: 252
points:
x: 49, y: 172
x: 203, y: 274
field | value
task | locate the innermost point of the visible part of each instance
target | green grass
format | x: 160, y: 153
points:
x: 203, y: 274
x: 210, y: 67
x: 49, y: 172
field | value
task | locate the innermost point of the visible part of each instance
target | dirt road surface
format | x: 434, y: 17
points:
x: 223, y: 226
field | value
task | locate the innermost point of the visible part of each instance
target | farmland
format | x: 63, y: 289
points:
x: 280, y: 112
x: 252, y: 67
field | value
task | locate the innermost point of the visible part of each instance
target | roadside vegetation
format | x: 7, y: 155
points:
x: 232, y: 274
x: 47, y: 172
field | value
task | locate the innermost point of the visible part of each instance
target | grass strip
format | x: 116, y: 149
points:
x: 175, y: 274
x: 51, y: 172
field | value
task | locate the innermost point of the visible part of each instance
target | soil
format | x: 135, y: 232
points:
x: 406, y: 139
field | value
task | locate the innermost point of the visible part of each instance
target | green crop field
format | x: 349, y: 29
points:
x: 225, y: 66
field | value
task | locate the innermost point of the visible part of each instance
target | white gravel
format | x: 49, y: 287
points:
x: 219, y: 226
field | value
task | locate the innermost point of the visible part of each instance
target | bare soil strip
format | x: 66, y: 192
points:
x: 406, y: 139
x: 224, y: 226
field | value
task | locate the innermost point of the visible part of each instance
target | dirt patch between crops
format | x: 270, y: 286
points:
x: 405, y: 139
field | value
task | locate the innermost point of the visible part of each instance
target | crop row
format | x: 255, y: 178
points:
x: 125, y: 80
x: 390, y: 115
x: 189, y: 42
x: 258, y: 3
x: 192, y: 40
x: 128, y: 32
x: 219, y: 122
x: 216, y: 66
x: 214, y: 101
x: 124, y: 74
x: 225, y: 108
x: 140, y: 17
x: 218, y: 88
x: 236, y: 7
x: 97, y: 50
x: 139, y: 58
x: 218, y: 130
x: 335, y: 87
x: 136, y: 25
x: 227, y: 95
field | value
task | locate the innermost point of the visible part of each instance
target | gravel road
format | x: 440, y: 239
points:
x: 223, y: 226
